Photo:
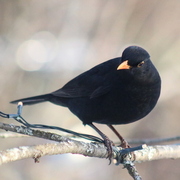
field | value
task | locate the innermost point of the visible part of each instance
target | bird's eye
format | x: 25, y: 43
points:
x: 140, y: 64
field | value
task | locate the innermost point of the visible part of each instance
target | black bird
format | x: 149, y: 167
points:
x: 119, y: 91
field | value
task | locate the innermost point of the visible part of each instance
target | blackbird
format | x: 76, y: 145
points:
x: 119, y: 91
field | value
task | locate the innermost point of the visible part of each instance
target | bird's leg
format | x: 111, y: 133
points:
x: 108, y: 143
x: 124, y: 143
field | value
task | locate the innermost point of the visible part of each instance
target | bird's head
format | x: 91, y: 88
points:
x: 136, y: 61
x: 132, y: 57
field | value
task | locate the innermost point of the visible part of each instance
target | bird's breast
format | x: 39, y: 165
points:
x: 129, y: 105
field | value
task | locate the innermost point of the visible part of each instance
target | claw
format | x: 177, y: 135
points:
x: 108, y: 143
x: 124, y: 144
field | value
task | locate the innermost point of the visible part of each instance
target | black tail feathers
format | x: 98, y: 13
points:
x: 33, y: 100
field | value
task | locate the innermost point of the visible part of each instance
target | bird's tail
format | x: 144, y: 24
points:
x: 33, y: 100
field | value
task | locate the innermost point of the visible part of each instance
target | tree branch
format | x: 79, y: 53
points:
x: 11, y: 135
x: 90, y: 149
x: 68, y: 146
x: 87, y: 149
x: 93, y: 149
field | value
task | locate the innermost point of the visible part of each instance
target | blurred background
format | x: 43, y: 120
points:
x: 44, y: 44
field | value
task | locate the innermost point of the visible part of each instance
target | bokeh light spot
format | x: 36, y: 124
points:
x: 35, y: 52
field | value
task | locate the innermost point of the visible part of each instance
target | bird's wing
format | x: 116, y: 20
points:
x: 93, y: 83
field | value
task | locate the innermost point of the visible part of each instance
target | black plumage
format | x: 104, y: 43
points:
x: 119, y: 91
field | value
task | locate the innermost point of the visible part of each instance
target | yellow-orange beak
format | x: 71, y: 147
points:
x: 124, y: 65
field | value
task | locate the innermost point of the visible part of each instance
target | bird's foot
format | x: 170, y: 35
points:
x: 108, y: 143
x: 124, y: 144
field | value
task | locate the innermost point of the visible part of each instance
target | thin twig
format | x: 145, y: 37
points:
x: 130, y: 141
x: 133, y: 171
x: 31, y: 132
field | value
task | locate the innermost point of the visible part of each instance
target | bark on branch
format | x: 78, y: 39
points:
x: 92, y: 149
x: 87, y: 149
x: 68, y: 145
